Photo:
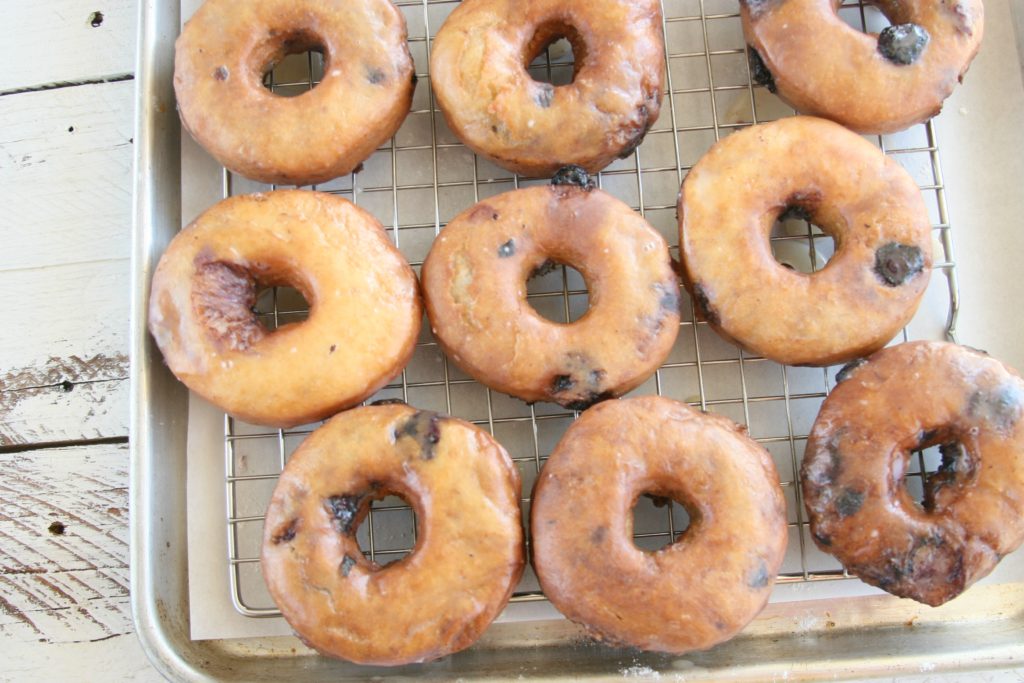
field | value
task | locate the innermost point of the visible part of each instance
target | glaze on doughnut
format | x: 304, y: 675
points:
x: 869, y: 205
x: 901, y: 399
x: 468, y: 556
x: 870, y: 83
x: 474, y: 282
x: 364, y: 314
x: 695, y: 593
x: 478, y: 68
x: 365, y: 93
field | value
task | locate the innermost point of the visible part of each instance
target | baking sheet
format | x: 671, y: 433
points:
x: 399, y: 185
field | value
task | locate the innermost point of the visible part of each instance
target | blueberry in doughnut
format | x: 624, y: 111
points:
x: 801, y: 50
x: 478, y: 68
x: 474, y: 282
x: 468, y: 555
x: 901, y: 399
x: 364, y: 314
x: 864, y: 200
x: 365, y: 94
x: 701, y: 589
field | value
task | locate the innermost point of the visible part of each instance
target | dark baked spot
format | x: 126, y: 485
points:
x: 424, y: 427
x: 930, y: 570
x: 96, y: 19
x: 223, y: 295
x: 668, y: 300
x: 573, y: 175
x: 562, y: 383
x: 822, y: 539
x: 375, y: 76
x: 344, y: 509
x: 902, y: 43
x: 579, y: 385
x: 482, y: 212
x: 589, y: 399
x: 507, y: 249
x: 707, y: 311
x: 389, y: 402
x: 287, y: 533
x: 759, y: 73
x: 895, y: 263
x: 598, y: 534
x: 1000, y: 407
x: 221, y: 73
x: 848, y: 369
x: 334, y: 347
x: 57, y: 528
x: 759, y: 577
x: 543, y: 269
x: 346, y: 565
x: 849, y: 502
x: 644, y: 115
x: 544, y: 94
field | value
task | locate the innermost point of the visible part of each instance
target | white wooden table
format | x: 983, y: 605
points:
x: 66, y: 109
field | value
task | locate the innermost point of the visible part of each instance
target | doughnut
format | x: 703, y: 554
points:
x: 474, y: 282
x: 865, y: 201
x: 478, y: 69
x: 468, y: 555
x: 363, y: 320
x: 870, y: 83
x: 901, y: 399
x: 366, y: 91
x: 696, y: 592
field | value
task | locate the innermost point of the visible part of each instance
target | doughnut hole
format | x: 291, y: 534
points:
x: 659, y: 520
x: 557, y: 292
x: 935, y: 471
x: 226, y: 297
x: 383, y: 523
x: 555, y: 54
x: 797, y: 243
x: 291, y: 64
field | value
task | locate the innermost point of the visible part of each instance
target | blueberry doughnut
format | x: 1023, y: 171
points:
x: 869, y: 205
x: 474, y: 282
x: 870, y: 83
x: 478, y: 69
x: 365, y: 93
x: 901, y: 399
x: 364, y: 313
x: 468, y: 555
x: 696, y: 592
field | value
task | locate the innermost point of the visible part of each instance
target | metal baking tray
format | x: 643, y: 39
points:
x: 710, y: 96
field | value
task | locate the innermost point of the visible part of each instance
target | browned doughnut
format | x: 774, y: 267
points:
x: 365, y: 94
x: 869, y: 205
x: 468, y: 556
x: 478, y: 70
x: 364, y: 314
x: 474, y: 283
x: 870, y: 83
x: 690, y: 595
x: 901, y: 399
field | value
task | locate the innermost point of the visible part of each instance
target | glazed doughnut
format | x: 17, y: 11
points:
x: 364, y: 313
x: 868, y: 204
x: 695, y: 593
x: 474, y: 282
x: 468, y: 556
x: 478, y: 68
x: 905, y: 398
x: 365, y: 93
x: 870, y: 83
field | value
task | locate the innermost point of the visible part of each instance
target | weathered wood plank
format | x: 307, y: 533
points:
x: 65, y: 411
x: 60, y: 41
x: 64, y: 544
x: 66, y: 170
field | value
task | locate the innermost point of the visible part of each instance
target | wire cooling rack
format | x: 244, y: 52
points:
x: 425, y: 176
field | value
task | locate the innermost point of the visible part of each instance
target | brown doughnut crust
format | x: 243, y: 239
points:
x: 364, y: 314
x: 822, y: 66
x: 366, y: 91
x: 901, y: 399
x: 695, y: 593
x: 868, y: 204
x: 474, y: 282
x: 478, y: 69
x: 468, y: 557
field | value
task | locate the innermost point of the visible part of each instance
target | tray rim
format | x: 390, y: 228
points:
x: 158, y: 422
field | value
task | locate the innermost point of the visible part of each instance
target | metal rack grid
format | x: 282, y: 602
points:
x: 425, y: 176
